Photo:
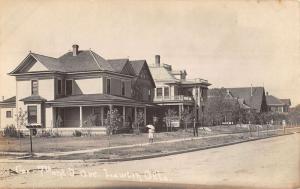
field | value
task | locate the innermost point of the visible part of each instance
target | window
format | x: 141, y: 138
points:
x: 34, y: 87
x: 69, y: 86
x: 123, y: 88
x: 32, y: 114
x: 149, y: 94
x: 166, y: 91
x: 8, y: 114
x: 59, y: 86
x: 108, y: 86
x: 159, y: 92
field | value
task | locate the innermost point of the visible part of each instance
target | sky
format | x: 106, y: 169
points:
x: 231, y: 43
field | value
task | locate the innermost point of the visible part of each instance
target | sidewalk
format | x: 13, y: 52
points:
x: 55, y: 154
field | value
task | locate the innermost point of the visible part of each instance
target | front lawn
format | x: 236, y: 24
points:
x: 59, y: 144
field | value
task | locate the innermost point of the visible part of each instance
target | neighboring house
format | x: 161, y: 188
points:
x: 174, y: 91
x: 254, y: 97
x: 251, y: 98
x: 287, y: 104
x: 215, y: 93
x: 80, y: 87
x: 278, y: 105
x: 7, y: 112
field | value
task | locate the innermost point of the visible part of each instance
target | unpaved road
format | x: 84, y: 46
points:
x: 267, y: 163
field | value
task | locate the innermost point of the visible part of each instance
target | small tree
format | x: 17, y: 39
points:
x: 187, y: 117
x: 169, y: 117
x: 139, y: 120
x: 113, y: 121
x: 21, y: 120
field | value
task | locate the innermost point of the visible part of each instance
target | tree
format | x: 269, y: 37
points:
x: 139, y: 120
x: 113, y: 121
x: 21, y: 120
x: 187, y: 117
x: 170, y: 116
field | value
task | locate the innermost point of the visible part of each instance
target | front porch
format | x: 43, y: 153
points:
x: 94, y: 116
x: 91, y: 111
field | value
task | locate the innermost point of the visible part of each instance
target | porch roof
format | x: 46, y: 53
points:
x: 96, y: 99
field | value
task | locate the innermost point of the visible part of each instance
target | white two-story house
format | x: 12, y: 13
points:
x: 80, y: 87
x: 174, y: 91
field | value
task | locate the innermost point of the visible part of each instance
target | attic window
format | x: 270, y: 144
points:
x: 34, y: 87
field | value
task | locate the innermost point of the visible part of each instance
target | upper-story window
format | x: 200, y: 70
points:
x: 149, y: 94
x: 108, y: 86
x: 166, y: 91
x: 59, y: 86
x: 158, y: 92
x: 69, y: 87
x: 123, y: 88
x: 34, y: 87
x: 8, y: 114
x: 32, y: 114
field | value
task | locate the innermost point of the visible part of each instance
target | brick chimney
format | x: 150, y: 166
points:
x: 75, y: 50
x: 157, y: 60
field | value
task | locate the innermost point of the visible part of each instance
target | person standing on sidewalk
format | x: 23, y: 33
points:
x: 195, y: 128
x: 151, y: 130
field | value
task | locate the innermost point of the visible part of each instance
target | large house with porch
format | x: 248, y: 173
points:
x: 79, y: 88
x: 174, y: 91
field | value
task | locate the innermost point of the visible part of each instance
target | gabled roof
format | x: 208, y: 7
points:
x: 162, y: 74
x: 84, y: 61
x: 137, y: 67
x: 286, y: 101
x: 10, y: 102
x: 253, y: 96
x: 272, y: 100
x: 216, y: 92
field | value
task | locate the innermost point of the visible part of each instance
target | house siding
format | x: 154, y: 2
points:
x: 7, y: 121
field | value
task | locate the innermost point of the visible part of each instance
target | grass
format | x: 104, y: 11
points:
x: 157, y: 148
x: 62, y: 144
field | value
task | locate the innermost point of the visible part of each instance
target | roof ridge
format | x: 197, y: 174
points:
x: 32, y: 53
x: 95, y: 59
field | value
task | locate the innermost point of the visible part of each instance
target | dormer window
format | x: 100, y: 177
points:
x: 34, y: 87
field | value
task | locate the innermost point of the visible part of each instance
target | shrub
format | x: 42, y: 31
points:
x: 77, y: 133
x: 11, y: 131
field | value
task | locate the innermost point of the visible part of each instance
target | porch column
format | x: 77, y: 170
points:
x: 124, y: 118
x: 135, y: 114
x: 101, y: 114
x: 80, y: 116
x: 179, y: 110
x: 145, y: 116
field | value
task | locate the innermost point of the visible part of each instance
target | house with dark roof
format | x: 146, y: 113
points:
x: 7, y: 111
x: 174, y: 91
x: 253, y: 98
x: 79, y: 88
x: 278, y: 105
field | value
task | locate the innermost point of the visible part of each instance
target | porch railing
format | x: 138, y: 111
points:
x: 173, y: 98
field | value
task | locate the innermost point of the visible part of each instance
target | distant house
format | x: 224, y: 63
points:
x: 253, y: 98
x: 8, y: 111
x: 278, y: 105
x: 79, y: 88
x: 215, y: 93
x: 174, y: 91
